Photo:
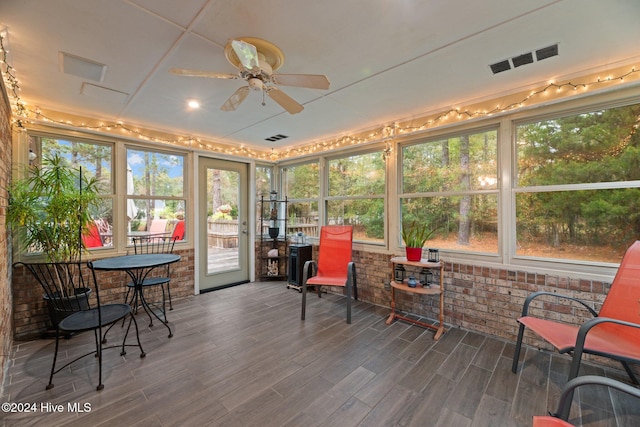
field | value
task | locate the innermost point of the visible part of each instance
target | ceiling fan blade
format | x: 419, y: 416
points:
x: 200, y: 73
x: 247, y: 54
x: 285, y: 101
x: 313, y: 81
x: 236, y: 99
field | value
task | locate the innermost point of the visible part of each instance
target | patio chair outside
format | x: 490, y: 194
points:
x: 92, y: 239
x: 334, y: 267
x: 178, y: 231
x: 613, y: 333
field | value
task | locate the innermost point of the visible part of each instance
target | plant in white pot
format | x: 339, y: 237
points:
x: 415, y: 235
x: 49, y: 210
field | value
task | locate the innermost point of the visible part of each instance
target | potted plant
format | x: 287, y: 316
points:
x: 49, y: 211
x: 415, y: 235
x: 274, y: 230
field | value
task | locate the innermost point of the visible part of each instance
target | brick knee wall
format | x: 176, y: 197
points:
x: 30, y: 312
x: 483, y: 299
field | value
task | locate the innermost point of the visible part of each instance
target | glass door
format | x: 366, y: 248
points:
x: 223, y: 216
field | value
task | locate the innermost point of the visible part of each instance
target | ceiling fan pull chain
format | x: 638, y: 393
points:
x: 263, y: 103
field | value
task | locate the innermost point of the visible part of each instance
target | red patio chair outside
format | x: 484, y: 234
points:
x: 334, y: 266
x: 92, y: 239
x: 612, y: 333
x: 178, y: 231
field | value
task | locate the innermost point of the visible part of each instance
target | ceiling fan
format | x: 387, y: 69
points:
x: 256, y: 60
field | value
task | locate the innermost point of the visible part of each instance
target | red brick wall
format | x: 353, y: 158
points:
x: 482, y: 299
x: 6, y: 314
x: 31, y: 318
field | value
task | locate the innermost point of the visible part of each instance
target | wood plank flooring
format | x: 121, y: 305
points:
x: 241, y: 357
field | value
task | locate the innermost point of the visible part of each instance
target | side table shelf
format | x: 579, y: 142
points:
x: 400, y: 286
x: 273, y: 217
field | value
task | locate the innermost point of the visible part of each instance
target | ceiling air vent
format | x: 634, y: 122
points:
x: 546, y: 52
x: 81, y: 67
x: 525, y: 59
x: 277, y: 137
x: 501, y: 66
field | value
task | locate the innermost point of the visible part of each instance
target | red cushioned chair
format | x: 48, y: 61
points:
x: 564, y: 405
x: 612, y: 333
x: 178, y: 231
x: 92, y: 238
x: 334, y: 266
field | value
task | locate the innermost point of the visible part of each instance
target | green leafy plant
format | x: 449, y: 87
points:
x: 50, y: 208
x: 415, y: 234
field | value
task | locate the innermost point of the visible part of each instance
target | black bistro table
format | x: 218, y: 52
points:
x: 138, y: 268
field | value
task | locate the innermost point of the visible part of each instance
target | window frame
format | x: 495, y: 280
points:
x: 563, y: 110
x: 453, y: 132
x: 326, y: 198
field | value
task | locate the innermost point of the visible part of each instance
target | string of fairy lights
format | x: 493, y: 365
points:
x: 25, y: 116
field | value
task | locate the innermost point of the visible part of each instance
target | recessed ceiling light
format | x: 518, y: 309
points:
x: 193, y: 104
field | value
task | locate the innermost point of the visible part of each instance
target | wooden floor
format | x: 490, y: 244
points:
x: 241, y: 357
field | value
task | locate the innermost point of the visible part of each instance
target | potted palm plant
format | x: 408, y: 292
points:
x: 49, y: 211
x: 415, y: 235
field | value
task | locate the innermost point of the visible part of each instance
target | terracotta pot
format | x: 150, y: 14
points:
x: 414, y: 254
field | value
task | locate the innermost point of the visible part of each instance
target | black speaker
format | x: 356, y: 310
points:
x: 298, y: 255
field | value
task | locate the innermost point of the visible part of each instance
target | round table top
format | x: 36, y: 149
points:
x: 132, y: 262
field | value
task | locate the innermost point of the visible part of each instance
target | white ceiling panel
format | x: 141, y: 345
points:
x: 385, y: 60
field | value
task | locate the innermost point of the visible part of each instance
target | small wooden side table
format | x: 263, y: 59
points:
x: 439, y: 290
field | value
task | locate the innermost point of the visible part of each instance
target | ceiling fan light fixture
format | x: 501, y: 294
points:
x: 256, y: 61
x: 256, y: 84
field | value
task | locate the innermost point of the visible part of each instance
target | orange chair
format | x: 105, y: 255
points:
x: 92, y: 239
x: 334, y: 266
x: 564, y: 405
x: 178, y: 231
x: 613, y: 333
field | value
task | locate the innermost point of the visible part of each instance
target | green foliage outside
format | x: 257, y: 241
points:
x: 596, y: 147
x: 51, y: 208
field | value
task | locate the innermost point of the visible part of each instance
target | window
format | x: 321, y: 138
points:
x: 356, y: 194
x: 301, y: 185
x: 264, y: 181
x: 452, y: 184
x: 577, y: 194
x: 95, y: 160
x: 156, y: 194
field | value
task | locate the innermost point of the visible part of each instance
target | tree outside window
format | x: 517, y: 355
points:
x: 155, y: 190
x: 95, y: 159
x: 577, y: 193
x: 301, y: 186
x: 451, y: 184
x: 356, y: 194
